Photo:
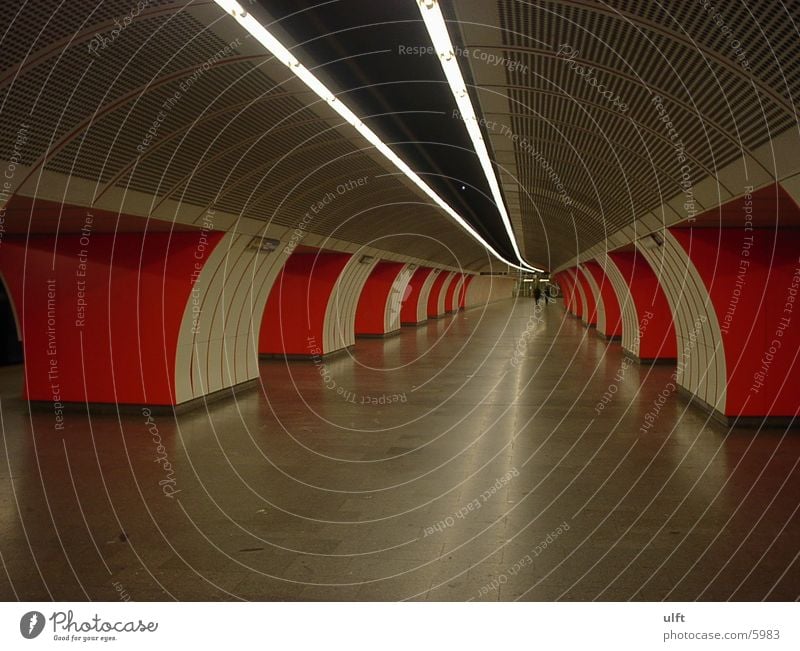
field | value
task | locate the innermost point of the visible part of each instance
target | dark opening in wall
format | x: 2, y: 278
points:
x: 10, y: 345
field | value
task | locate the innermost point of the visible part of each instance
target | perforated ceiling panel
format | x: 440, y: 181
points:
x: 175, y: 105
x: 181, y: 105
x: 579, y: 115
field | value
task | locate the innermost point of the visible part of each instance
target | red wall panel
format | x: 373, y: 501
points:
x: 657, y: 331
x: 749, y: 292
x: 408, y: 313
x: 371, y: 310
x: 101, y: 314
x: 566, y: 281
x: 294, y: 317
x: 449, y: 297
x: 590, y: 308
x: 462, y: 298
x: 577, y: 299
x: 436, y: 290
x: 613, y: 324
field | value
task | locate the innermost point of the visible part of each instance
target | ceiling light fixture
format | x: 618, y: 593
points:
x: 280, y: 52
x: 437, y: 30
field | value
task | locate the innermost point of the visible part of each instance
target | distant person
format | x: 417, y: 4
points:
x: 537, y: 293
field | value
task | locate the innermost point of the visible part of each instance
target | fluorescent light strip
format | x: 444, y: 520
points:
x: 437, y: 30
x: 280, y: 52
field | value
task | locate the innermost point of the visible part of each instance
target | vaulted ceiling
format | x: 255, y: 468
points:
x: 579, y: 85
x: 180, y: 113
x: 154, y: 116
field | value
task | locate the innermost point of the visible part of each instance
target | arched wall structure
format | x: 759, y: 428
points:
x: 648, y: 333
x: 462, y: 297
x: 578, y: 297
x: 566, y: 281
x: 451, y: 294
x: 733, y: 293
x: 340, y: 316
x: 415, y: 307
x: 184, y: 302
x: 589, y: 311
x: 233, y: 289
x: 437, y: 295
x: 378, y: 312
x: 312, y: 305
x: 700, y: 363
x: 609, y: 316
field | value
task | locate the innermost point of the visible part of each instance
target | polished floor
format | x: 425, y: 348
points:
x: 467, y: 459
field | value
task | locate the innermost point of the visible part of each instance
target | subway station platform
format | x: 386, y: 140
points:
x: 472, y: 458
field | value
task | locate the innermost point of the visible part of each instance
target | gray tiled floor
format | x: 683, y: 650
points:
x: 295, y: 492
